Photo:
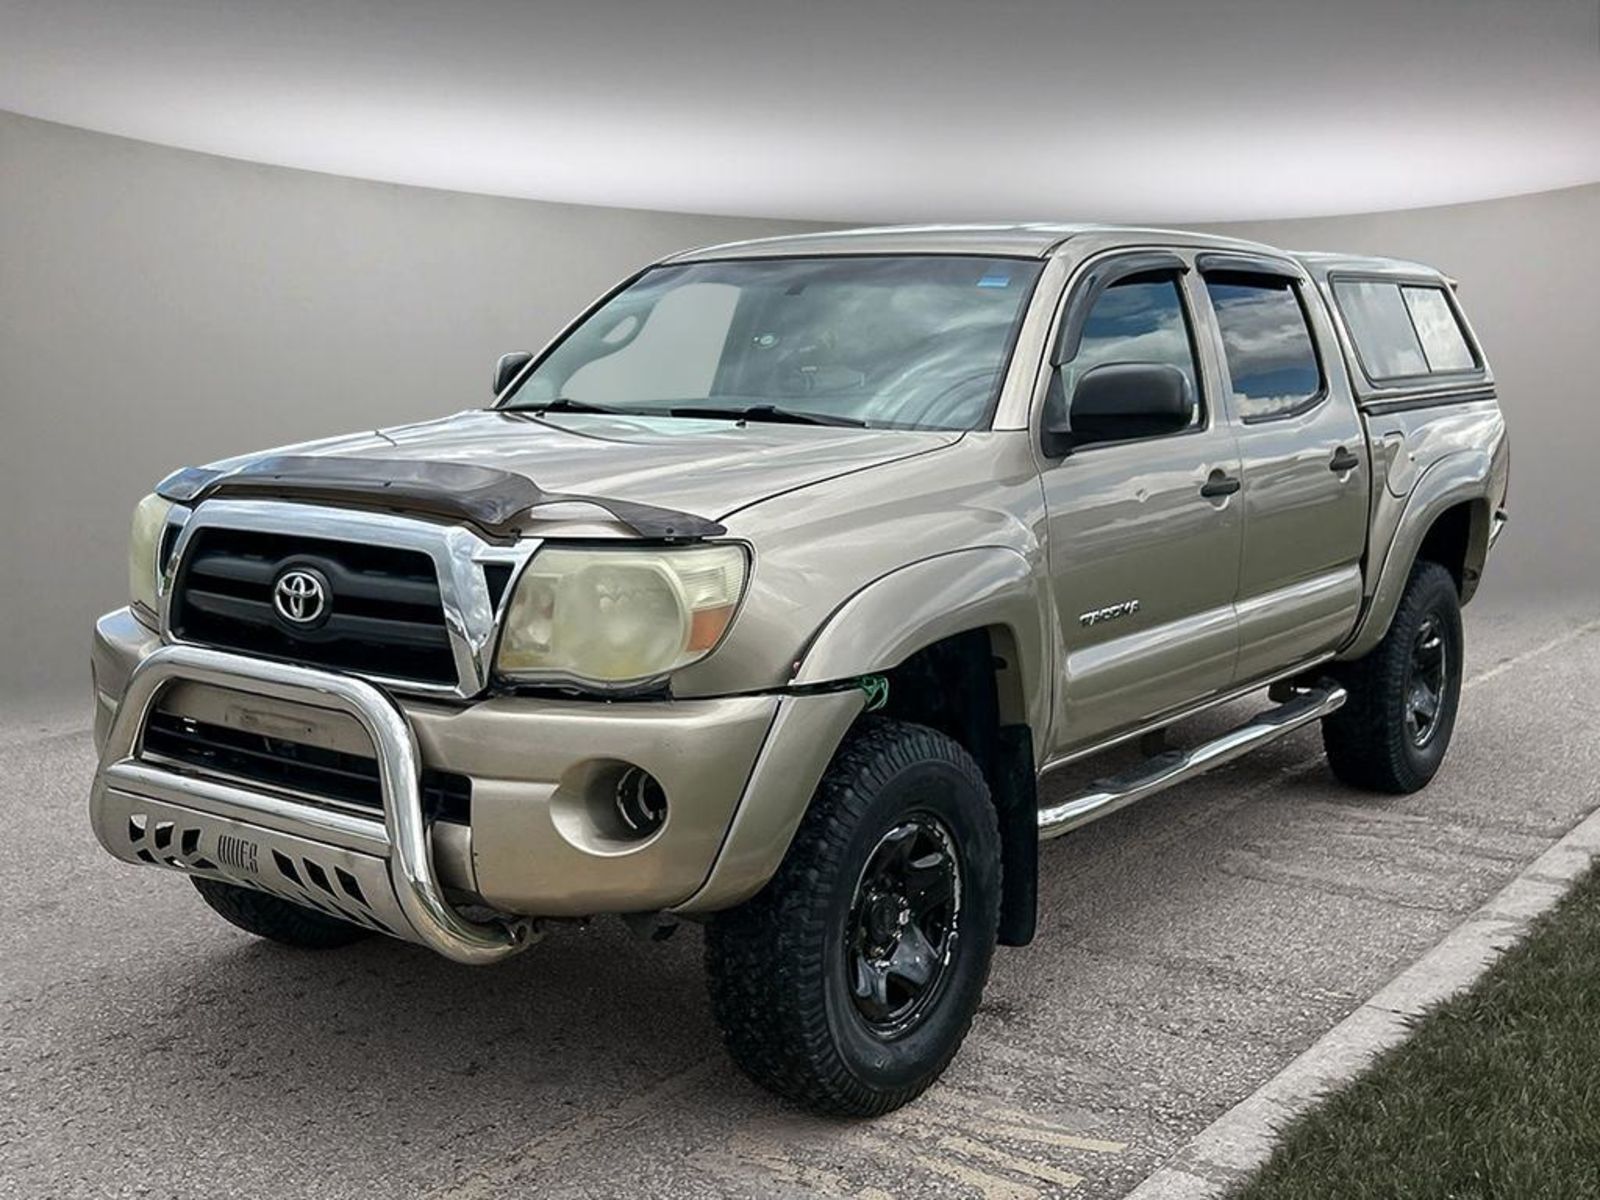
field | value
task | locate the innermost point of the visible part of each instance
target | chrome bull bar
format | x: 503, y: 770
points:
x: 401, y: 841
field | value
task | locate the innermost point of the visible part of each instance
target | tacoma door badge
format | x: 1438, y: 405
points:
x: 1109, y: 613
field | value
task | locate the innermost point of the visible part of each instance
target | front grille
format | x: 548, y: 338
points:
x: 384, y: 614
x: 349, y: 780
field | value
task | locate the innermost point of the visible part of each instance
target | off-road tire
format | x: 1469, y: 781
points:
x: 277, y: 920
x: 779, y: 965
x: 1368, y: 743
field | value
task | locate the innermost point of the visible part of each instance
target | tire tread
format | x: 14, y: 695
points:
x: 766, y: 978
x: 1365, y: 740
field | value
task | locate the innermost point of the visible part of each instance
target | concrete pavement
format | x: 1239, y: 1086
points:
x: 1189, y: 947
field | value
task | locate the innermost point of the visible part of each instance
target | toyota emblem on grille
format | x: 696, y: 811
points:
x: 300, y: 596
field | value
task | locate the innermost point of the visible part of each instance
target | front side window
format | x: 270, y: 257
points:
x: 1272, y: 360
x: 913, y: 341
x: 1139, y: 319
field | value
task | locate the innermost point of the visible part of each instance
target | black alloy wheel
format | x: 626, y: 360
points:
x: 1425, y: 680
x: 904, y: 922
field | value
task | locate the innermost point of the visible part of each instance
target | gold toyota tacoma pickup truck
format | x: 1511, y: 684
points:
x: 765, y: 594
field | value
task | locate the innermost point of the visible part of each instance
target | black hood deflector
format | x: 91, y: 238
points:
x: 486, y: 496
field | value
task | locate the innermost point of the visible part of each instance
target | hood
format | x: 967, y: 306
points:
x: 706, y: 468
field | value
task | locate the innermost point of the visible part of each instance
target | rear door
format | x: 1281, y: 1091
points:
x: 1144, y: 534
x: 1305, y: 467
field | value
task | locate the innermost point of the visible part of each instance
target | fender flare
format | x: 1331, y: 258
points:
x: 995, y: 588
x: 1462, y: 477
x: 912, y: 607
x: 880, y: 626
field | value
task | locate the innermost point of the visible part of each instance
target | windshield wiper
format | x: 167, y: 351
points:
x: 770, y: 413
x: 767, y: 412
x: 562, y: 405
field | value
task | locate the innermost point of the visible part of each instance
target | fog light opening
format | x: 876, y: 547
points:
x: 640, y: 802
x: 605, y: 806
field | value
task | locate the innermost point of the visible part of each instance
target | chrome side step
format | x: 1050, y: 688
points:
x: 1175, y: 766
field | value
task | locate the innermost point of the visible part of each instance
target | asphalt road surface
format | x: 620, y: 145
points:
x: 1188, y: 948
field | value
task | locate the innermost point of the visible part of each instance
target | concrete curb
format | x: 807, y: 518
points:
x: 1221, y: 1156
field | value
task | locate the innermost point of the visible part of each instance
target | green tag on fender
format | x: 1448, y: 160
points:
x: 876, y: 688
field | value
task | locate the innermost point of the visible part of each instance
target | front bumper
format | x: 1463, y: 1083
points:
x: 737, y: 773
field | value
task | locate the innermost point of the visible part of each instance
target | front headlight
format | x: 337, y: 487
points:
x: 619, y: 616
x: 144, y: 546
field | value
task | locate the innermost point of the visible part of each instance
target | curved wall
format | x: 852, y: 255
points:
x: 1529, y: 274
x: 160, y: 307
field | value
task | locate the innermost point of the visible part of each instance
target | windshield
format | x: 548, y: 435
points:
x: 909, y: 341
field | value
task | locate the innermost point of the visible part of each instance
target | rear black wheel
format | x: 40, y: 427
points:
x: 277, y: 920
x: 849, y: 982
x: 1393, y: 731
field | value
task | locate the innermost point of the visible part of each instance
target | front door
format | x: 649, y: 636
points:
x: 1144, y: 533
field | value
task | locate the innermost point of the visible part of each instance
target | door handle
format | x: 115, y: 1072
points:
x: 1343, y: 460
x: 1219, y: 484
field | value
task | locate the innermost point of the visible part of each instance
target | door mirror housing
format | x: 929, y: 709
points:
x: 509, y: 367
x: 1118, y: 402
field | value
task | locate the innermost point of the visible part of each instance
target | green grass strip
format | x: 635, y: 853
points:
x: 1496, y: 1095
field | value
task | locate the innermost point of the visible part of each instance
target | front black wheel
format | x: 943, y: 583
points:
x: 849, y: 982
x: 1393, y: 731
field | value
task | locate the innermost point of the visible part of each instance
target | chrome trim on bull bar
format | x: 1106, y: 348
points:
x: 458, y: 555
x: 404, y: 832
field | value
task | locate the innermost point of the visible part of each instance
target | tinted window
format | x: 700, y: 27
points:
x: 1140, y: 319
x: 1380, y: 325
x: 1443, y: 343
x: 1272, y: 360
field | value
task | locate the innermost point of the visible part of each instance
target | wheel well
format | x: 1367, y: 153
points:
x: 968, y: 687
x: 951, y: 686
x: 1447, y: 542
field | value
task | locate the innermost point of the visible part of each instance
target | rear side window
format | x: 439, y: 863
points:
x: 1402, y: 330
x: 1272, y: 360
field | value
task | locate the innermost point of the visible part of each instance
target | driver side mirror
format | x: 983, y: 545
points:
x: 509, y: 367
x: 1121, y: 401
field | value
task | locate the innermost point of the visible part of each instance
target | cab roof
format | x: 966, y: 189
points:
x: 1037, y: 240
x: 1018, y: 241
